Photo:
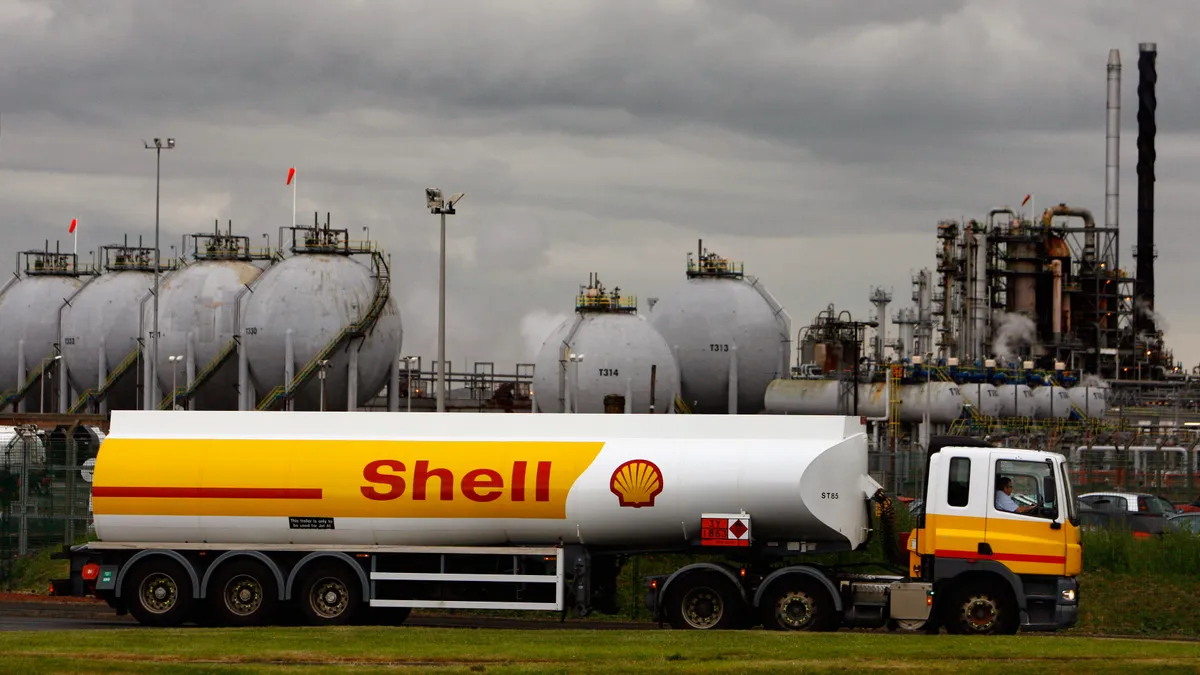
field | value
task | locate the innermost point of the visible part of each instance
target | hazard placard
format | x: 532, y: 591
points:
x: 721, y: 529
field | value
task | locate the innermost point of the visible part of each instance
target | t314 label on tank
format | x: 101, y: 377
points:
x: 309, y: 523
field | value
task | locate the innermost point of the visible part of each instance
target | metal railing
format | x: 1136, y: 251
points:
x: 186, y: 391
x: 96, y: 394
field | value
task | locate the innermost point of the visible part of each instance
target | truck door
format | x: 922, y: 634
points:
x: 955, y: 504
x: 1025, y: 516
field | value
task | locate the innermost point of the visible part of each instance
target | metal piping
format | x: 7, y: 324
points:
x: 1089, y: 223
x: 1056, y: 300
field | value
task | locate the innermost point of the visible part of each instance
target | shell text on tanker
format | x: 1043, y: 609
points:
x: 478, y: 485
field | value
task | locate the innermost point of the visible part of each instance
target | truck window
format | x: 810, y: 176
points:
x: 1068, y: 495
x: 958, y: 490
x: 1033, y: 484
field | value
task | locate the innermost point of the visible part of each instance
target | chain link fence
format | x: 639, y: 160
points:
x: 45, y: 489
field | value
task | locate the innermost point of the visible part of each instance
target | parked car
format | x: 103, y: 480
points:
x: 1139, y: 512
x: 1183, y: 522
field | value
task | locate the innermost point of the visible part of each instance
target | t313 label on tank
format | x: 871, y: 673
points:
x: 309, y: 523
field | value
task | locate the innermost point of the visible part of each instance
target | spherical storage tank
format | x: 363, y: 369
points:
x: 102, y: 324
x: 1016, y: 400
x: 314, y: 296
x: 718, y: 315
x: 29, y: 316
x: 983, y: 397
x: 619, y: 350
x: 197, y: 305
x: 1091, y: 402
x: 942, y: 400
x: 1051, y: 401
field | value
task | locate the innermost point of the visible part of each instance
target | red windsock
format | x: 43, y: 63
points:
x: 74, y: 222
x: 291, y: 174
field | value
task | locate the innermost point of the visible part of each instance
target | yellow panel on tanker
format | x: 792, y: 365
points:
x: 339, y: 478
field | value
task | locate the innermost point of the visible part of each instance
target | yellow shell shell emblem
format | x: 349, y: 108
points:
x: 636, y: 483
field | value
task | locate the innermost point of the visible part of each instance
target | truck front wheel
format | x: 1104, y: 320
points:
x: 703, y: 601
x: 798, y: 604
x: 981, y: 609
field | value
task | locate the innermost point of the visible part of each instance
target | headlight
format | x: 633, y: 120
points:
x: 1069, y: 595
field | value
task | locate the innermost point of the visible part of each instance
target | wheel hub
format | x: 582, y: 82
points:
x: 329, y: 598
x: 244, y: 595
x: 980, y: 613
x: 159, y: 593
x: 795, y: 610
x: 702, y: 608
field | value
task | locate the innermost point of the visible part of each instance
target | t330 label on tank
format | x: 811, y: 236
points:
x: 309, y: 523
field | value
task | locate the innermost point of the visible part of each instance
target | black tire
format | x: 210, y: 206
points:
x: 704, y: 601
x: 242, y: 593
x: 981, y: 609
x: 798, y: 603
x: 330, y: 595
x: 158, y: 592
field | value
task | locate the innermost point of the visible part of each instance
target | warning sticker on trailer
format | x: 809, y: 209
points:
x: 724, y: 530
x: 308, y: 523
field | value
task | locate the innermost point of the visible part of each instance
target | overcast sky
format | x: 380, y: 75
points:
x: 818, y: 142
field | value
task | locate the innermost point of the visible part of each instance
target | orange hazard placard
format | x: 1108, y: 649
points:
x: 725, y: 530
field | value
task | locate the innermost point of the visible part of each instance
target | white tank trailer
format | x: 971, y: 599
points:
x: 729, y: 336
x: 100, y: 329
x: 943, y: 400
x: 197, y: 318
x: 29, y: 326
x: 322, y: 304
x: 624, y: 359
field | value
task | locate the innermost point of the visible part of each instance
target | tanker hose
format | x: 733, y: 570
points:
x: 887, y: 527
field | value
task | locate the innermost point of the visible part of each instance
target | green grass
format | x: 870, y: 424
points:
x: 371, y: 650
x: 1173, y: 554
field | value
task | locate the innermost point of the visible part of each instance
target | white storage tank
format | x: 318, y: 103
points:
x: 1016, y: 400
x: 322, y: 304
x: 1051, y: 401
x: 982, y: 396
x: 621, y: 354
x: 100, y: 327
x: 720, y: 314
x: 17, y: 448
x: 197, y: 319
x: 1092, y: 402
x: 943, y: 400
x: 29, y: 325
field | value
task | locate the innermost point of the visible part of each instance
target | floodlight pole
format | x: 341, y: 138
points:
x: 438, y: 206
x: 158, y: 147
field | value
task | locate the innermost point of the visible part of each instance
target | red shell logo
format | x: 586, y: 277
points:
x: 636, y: 483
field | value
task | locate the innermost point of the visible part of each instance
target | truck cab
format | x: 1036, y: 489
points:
x: 999, y: 539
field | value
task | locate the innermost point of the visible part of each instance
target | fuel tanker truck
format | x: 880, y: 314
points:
x: 239, y: 518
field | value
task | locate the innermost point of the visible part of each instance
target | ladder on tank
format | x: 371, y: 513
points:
x: 186, y: 392
x: 97, y: 394
x: 15, y: 396
x: 357, y: 329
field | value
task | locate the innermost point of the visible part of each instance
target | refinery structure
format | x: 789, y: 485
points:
x: 1023, y: 329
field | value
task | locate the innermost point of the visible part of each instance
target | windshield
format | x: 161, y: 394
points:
x: 1155, y: 506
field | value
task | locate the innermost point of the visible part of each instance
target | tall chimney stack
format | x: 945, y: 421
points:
x: 1147, y: 104
x: 1112, y: 153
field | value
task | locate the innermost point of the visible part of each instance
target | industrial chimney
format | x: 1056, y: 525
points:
x: 1147, y: 103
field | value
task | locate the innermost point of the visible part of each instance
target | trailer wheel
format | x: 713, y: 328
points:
x: 158, y: 591
x: 243, y: 593
x: 798, y: 604
x: 981, y: 610
x: 703, y: 601
x: 330, y: 595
